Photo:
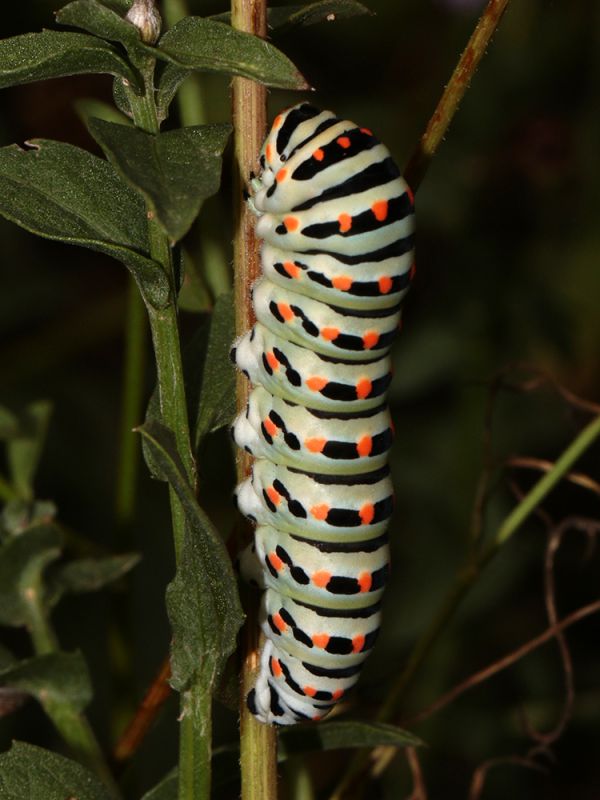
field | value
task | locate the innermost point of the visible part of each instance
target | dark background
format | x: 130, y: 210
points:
x: 507, y: 271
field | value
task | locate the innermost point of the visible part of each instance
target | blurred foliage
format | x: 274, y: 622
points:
x: 508, y: 248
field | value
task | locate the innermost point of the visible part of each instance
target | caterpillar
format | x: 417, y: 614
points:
x: 336, y: 221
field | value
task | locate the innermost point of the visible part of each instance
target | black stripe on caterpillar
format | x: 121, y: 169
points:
x: 337, y: 224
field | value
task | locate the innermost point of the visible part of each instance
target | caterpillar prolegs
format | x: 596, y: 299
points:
x: 337, y: 221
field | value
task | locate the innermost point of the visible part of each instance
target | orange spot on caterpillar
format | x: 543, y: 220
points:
x: 345, y: 221
x: 277, y: 563
x: 315, y: 384
x: 270, y: 426
x: 315, y: 445
x: 410, y: 194
x: 273, y: 361
x: 316, y: 718
x: 269, y: 151
x: 319, y: 154
x: 380, y: 209
x: 276, y: 667
x: 370, y: 339
x: 291, y: 223
x: 364, y: 581
x: 274, y: 497
x: 281, y: 175
x: 337, y: 694
x: 285, y: 311
x: 364, y: 446
x: 385, y: 284
x: 358, y: 642
x: 330, y: 333
x: 366, y: 131
x: 292, y: 270
x: 342, y: 282
x: 366, y: 513
x: 309, y: 690
x: 320, y: 640
x: 321, y: 578
x: 343, y: 141
x: 411, y: 274
x: 278, y: 120
x: 279, y: 623
x: 363, y: 388
x: 320, y: 511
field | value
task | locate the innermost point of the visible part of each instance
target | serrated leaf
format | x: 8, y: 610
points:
x: 22, y: 562
x: 32, y: 773
x: 341, y: 735
x: 205, y: 45
x: 175, y: 171
x: 25, y: 448
x: 88, y: 574
x: 202, y: 600
x: 216, y: 401
x: 102, y: 21
x: 166, y: 789
x: 51, y: 678
x: 53, y: 54
x: 61, y: 192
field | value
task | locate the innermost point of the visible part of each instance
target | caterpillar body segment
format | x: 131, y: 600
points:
x: 337, y: 224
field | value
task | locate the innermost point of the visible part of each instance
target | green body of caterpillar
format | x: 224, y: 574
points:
x: 337, y: 224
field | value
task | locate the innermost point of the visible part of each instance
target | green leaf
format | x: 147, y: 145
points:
x: 287, y: 17
x: 208, y: 46
x: 202, y: 601
x: 31, y: 773
x: 342, y: 735
x: 166, y: 789
x: 96, y: 18
x: 25, y: 448
x: 175, y: 171
x: 22, y: 561
x: 61, y: 192
x: 169, y: 82
x: 19, y: 515
x: 53, y: 54
x: 88, y: 574
x: 88, y: 107
x: 51, y: 678
x: 216, y: 401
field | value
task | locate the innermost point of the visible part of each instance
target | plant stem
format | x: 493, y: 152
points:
x: 195, y: 727
x: 258, y: 743
x: 131, y: 406
x: 73, y: 727
x: 454, y: 93
x: 466, y: 579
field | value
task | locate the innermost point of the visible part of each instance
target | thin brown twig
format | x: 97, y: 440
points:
x: 578, y: 478
x: 502, y: 663
x: 454, y: 92
x: 145, y: 715
x: 419, y: 791
x: 480, y: 774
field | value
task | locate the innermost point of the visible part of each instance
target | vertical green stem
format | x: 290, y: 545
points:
x: 258, y: 743
x: 195, y: 728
